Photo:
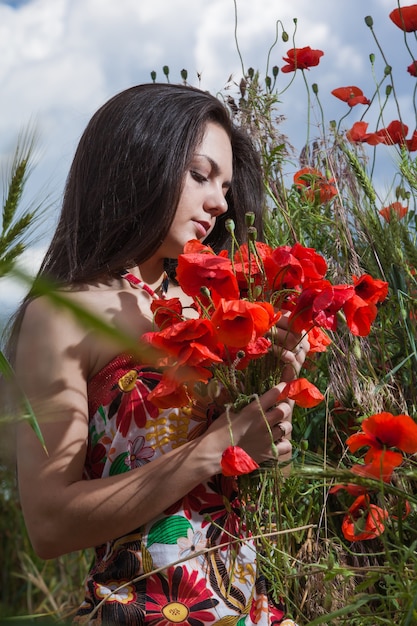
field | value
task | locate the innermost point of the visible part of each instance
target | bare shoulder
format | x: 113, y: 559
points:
x: 58, y: 337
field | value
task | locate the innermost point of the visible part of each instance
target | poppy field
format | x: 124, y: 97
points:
x: 341, y: 250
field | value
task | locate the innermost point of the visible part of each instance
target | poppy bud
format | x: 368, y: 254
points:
x: 252, y: 233
x: 315, y: 88
x: 184, y: 74
x: 230, y: 226
x: 369, y: 21
x: 372, y: 58
x: 251, y: 72
x: 275, y: 71
x: 284, y: 36
x: 165, y: 70
x: 205, y: 291
x: 249, y: 218
x: 388, y: 90
x: 268, y: 82
x: 387, y: 70
x: 153, y: 76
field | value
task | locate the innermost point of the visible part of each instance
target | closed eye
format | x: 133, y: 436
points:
x: 198, y: 177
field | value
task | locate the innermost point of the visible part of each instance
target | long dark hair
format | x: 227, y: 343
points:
x: 125, y: 182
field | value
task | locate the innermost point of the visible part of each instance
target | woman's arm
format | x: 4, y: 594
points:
x: 62, y: 511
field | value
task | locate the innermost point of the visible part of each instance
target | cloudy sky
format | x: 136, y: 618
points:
x: 61, y: 59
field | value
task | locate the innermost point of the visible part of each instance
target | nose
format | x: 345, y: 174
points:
x: 216, y: 203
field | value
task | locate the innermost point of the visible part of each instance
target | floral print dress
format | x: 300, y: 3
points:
x: 183, y: 567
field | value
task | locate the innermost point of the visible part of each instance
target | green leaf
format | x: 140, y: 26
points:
x: 28, y: 414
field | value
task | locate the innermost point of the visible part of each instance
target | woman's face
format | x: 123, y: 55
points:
x: 202, y: 199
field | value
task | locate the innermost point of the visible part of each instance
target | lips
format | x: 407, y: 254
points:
x: 202, y: 228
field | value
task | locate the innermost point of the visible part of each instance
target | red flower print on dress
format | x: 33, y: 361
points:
x: 222, y: 515
x: 405, y: 18
x: 364, y: 520
x: 179, y: 598
x: 301, y: 59
x: 195, y: 500
x: 135, y: 387
x: 351, y: 95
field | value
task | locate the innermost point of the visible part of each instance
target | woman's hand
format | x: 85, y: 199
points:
x: 290, y: 348
x: 263, y: 428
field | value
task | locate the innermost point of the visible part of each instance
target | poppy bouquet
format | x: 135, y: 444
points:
x: 227, y: 341
x: 226, y: 349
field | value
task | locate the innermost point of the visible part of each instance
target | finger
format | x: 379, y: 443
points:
x: 280, y: 416
x: 282, y: 430
x: 268, y: 399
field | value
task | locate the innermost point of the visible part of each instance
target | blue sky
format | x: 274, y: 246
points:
x: 61, y: 59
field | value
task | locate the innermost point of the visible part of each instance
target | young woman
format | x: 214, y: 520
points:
x: 157, y: 165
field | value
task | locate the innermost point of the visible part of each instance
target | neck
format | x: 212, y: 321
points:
x: 153, y: 274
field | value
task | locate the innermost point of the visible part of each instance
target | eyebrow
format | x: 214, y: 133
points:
x: 215, y: 167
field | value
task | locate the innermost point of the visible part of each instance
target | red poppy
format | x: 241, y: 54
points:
x: 318, y: 305
x: 385, y: 430
x: 358, y: 133
x: 395, y: 208
x: 405, y: 18
x: 412, y: 142
x: 170, y: 393
x: 237, y: 322
x: 283, y: 269
x: 412, y: 69
x: 315, y: 186
x: 166, y: 312
x: 235, y: 462
x: 394, y: 133
x: 370, y: 289
x: 359, y: 315
x: 301, y: 59
x: 303, y: 392
x: 197, y: 270
x: 253, y: 350
x: 364, y: 520
x: 379, y: 464
x: 352, y: 489
x: 191, y: 341
x: 252, y: 270
x: 313, y: 264
x: 351, y: 95
x: 318, y: 340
